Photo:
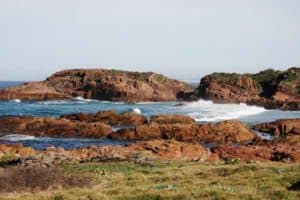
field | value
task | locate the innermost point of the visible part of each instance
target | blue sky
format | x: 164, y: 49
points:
x: 182, y: 39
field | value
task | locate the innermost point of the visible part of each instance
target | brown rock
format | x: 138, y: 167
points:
x: 222, y: 132
x: 47, y: 126
x: 269, y: 88
x: 16, y: 149
x: 32, y: 91
x: 267, y: 151
x: 172, y: 119
x: 99, y: 84
x: 109, y: 117
x: 280, y: 128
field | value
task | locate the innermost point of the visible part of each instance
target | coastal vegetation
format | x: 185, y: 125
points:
x: 159, y: 180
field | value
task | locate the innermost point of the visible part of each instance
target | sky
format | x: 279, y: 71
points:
x: 181, y: 39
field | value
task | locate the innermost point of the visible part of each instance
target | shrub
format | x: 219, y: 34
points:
x: 33, y: 179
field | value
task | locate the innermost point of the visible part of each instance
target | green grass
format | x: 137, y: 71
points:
x: 123, y: 180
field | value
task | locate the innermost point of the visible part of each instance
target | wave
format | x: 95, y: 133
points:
x: 206, y: 111
x: 17, y: 137
x: 137, y: 111
x: 16, y: 100
x: 264, y: 136
x: 76, y: 100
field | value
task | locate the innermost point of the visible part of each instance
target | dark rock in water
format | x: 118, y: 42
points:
x: 109, y: 117
x: 269, y: 88
x: 101, y: 84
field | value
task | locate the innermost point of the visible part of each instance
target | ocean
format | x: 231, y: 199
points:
x: 202, y: 111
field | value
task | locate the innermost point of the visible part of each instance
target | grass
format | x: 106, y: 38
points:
x: 123, y: 180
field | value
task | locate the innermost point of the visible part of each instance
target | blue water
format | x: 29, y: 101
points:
x: 202, y: 111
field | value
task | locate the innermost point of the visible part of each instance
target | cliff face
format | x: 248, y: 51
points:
x: 99, y: 84
x: 272, y: 89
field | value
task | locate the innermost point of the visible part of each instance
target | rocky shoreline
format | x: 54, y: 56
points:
x: 270, y: 89
x: 163, y: 137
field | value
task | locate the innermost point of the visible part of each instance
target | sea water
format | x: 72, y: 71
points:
x: 202, y: 111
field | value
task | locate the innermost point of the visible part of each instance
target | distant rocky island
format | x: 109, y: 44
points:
x: 270, y: 88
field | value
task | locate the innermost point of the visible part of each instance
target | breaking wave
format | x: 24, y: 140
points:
x: 206, y: 111
x: 17, y: 137
x: 16, y: 100
x: 137, y: 111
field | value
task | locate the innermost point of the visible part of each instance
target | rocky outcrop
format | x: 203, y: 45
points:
x: 280, y: 128
x: 222, y: 132
x: 172, y: 119
x: 160, y: 127
x: 267, y: 151
x: 99, y: 84
x: 47, y: 126
x: 137, y: 152
x: 32, y: 91
x: 109, y: 117
x: 269, y: 88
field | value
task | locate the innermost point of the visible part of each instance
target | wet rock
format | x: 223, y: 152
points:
x: 47, y: 126
x: 109, y: 117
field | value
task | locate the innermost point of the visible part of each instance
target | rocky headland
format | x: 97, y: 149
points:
x: 271, y: 89
x: 100, y: 84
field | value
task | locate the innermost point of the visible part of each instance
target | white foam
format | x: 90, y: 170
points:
x: 137, y: 111
x: 16, y: 100
x: 54, y: 102
x: 16, y: 137
x: 264, y: 136
x: 207, y: 111
x: 83, y: 99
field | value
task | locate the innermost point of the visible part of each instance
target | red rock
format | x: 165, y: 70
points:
x: 280, y: 128
x: 99, y: 84
x: 47, y: 126
x: 109, y: 117
x: 222, y: 132
x: 172, y: 119
x: 271, y: 89
x: 263, y: 152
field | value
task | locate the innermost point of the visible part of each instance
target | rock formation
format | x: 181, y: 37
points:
x: 280, y: 128
x: 48, y: 126
x: 269, y: 88
x: 99, y: 84
x: 109, y: 117
x: 138, y: 152
x: 222, y: 132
